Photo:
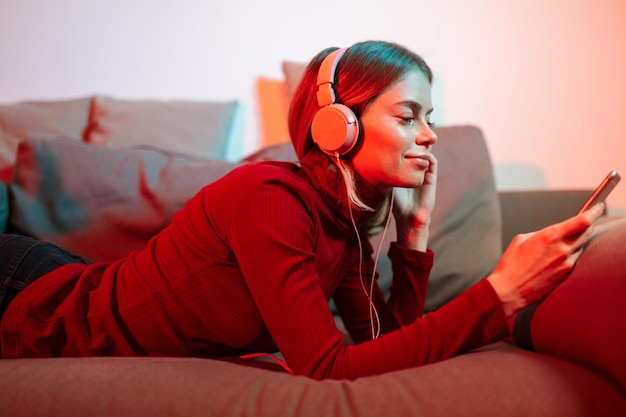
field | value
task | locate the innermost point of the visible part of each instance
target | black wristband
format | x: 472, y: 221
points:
x: 521, y: 328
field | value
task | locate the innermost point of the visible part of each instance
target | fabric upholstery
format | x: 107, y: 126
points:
x: 193, y: 127
x: 497, y: 381
x: 530, y: 210
x: 36, y: 120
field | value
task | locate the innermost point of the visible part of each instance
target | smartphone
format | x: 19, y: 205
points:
x: 603, y: 190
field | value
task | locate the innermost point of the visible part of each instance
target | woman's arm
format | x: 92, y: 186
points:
x: 274, y: 238
x: 364, y: 320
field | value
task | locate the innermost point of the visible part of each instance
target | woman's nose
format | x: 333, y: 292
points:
x: 426, y: 136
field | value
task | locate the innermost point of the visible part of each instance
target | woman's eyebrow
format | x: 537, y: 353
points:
x: 414, y: 105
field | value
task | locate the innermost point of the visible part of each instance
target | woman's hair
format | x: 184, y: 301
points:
x: 365, y: 71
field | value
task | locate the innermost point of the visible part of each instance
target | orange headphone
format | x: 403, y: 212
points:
x: 335, y: 128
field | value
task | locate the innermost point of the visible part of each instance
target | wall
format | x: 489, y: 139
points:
x: 544, y: 80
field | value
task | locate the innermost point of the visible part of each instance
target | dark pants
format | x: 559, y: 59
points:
x: 23, y: 260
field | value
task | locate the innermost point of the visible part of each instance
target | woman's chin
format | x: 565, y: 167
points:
x: 416, y: 181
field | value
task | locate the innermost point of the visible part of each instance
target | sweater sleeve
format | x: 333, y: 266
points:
x: 274, y: 238
x: 411, y: 270
x: 363, y: 319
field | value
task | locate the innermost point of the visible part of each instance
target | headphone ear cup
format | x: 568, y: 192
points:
x: 335, y: 129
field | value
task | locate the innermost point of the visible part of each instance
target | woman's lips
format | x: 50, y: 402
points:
x: 423, y: 161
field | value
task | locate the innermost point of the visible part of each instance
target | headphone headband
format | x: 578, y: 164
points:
x: 326, y: 78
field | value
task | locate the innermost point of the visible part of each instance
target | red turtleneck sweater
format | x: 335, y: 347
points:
x: 249, y: 266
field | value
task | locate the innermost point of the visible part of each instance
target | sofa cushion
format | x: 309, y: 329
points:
x: 193, y: 127
x: 493, y: 382
x: 101, y: 202
x: 39, y: 119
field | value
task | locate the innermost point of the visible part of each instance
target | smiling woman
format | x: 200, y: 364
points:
x: 254, y: 273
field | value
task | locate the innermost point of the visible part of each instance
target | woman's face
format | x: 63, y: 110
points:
x: 397, y: 136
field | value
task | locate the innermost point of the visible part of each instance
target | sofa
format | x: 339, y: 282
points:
x: 101, y: 175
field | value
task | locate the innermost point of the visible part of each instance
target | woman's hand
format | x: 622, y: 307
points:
x: 535, y: 263
x: 412, y: 209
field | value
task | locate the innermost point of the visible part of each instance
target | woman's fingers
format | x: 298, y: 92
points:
x: 582, y: 221
x: 573, y: 258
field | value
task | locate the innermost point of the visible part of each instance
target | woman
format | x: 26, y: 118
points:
x: 249, y: 263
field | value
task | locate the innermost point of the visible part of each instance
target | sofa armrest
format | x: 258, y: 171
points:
x: 527, y: 211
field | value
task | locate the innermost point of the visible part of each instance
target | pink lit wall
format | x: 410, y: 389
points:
x: 545, y: 80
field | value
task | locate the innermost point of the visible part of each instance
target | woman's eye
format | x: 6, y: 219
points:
x: 409, y: 121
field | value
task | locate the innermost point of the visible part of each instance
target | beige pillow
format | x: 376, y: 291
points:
x: 195, y: 128
x: 39, y: 119
x: 293, y: 73
x: 102, y: 202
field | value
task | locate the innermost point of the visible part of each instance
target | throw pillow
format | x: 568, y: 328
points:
x: 39, y: 119
x: 192, y: 127
x: 293, y: 72
x: 98, y: 202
